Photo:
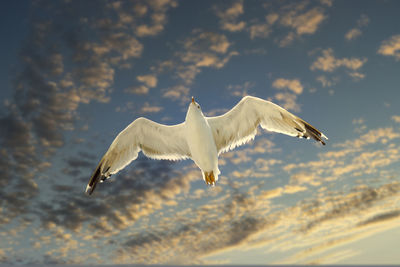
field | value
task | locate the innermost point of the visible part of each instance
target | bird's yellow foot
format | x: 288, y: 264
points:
x: 209, y: 178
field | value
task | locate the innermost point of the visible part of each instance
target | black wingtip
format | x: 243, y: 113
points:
x: 89, y: 190
x: 314, y: 133
x: 94, y: 180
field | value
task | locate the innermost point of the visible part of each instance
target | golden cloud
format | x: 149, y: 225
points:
x: 328, y: 63
x: 294, y: 85
x: 391, y: 47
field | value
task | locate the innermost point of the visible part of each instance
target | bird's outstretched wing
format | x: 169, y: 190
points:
x: 157, y: 141
x: 239, y: 125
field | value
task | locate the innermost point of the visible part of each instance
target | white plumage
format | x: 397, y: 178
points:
x: 200, y: 138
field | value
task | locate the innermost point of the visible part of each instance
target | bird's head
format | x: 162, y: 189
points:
x: 194, y: 108
x: 195, y: 104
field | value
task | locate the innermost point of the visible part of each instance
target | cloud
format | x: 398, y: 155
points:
x: 287, y: 40
x: 300, y: 19
x: 396, y: 118
x: 337, y: 218
x: 356, y: 75
x: 272, y: 18
x: 353, y: 34
x: 241, y: 90
x: 132, y: 107
x: 391, y: 47
x: 127, y: 107
x: 379, y: 135
x: 147, y: 108
x: 335, y: 257
x: 273, y: 193
x: 257, y: 146
x: 193, y: 240
x: 34, y: 119
x: 291, y: 189
x: 148, y: 18
x: 145, y: 184
x: 242, y: 222
x: 127, y: 46
x: 296, y: 16
x: 78, y: 162
x: 379, y: 218
x: 263, y: 29
x: 3, y: 257
x: 356, y: 32
x: 158, y: 18
x: 327, y: 2
x: 138, y: 90
x: 360, y: 125
x: 288, y: 97
x: 73, y: 218
x: 354, y: 158
x: 288, y: 101
x: 200, y: 50
x: 178, y: 92
x: 301, y: 178
x: 95, y: 78
x: 329, y: 63
x: 207, y: 42
x: 148, y: 80
x: 294, y: 85
x: 359, y: 200
x: 61, y: 68
x: 259, y: 31
x: 205, y: 60
x: 326, y: 82
x: 146, y: 30
x: 302, y: 22
x: 229, y: 16
x: 305, y: 23
x: 241, y: 217
x: 139, y: 215
x: 18, y: 163
x: 232, y: 27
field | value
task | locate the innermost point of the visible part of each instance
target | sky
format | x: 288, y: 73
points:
x: 73, y: 74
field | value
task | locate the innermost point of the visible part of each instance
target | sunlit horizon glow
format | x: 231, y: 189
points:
x: 74, y: 74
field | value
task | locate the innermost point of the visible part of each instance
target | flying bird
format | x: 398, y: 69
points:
x: 199, y: 138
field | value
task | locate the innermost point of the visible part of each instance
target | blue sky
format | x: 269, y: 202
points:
x: 74, y: 74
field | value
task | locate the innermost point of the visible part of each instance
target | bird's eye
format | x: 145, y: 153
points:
x: 198, y: 106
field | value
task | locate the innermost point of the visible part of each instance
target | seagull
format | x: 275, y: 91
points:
x: 200, y: 138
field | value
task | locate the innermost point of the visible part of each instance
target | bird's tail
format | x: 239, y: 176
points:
x: 96, y: 177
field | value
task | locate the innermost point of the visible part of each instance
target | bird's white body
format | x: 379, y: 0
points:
x: 200, y: 138
x: 201, y: 142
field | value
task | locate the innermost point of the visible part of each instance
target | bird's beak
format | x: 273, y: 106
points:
x: 192, y: 99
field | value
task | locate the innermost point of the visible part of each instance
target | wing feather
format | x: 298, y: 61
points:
x: 239, y: 125
x: 155, y: 140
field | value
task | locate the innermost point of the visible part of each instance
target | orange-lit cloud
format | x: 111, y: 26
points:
x: 356, y: 32
x: 229, y: 17
x: 391, y: 47
x: 328, y: 62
